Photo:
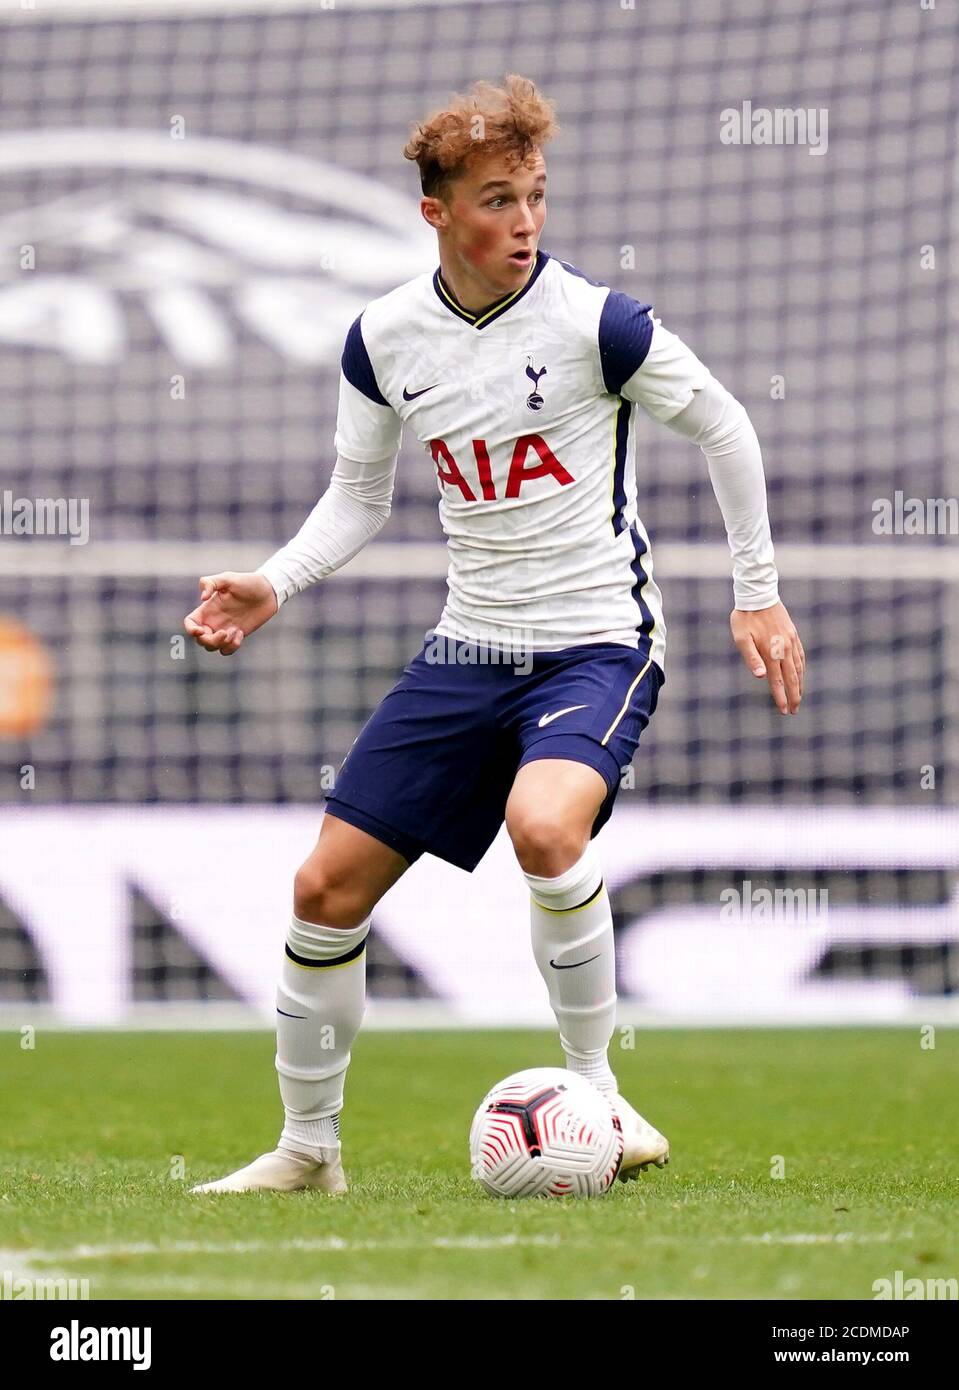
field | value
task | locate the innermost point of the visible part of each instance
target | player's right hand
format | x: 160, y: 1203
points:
x: 231, y: 607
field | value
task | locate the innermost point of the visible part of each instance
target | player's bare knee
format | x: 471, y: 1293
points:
x: 546, y: 844
x: 318, y: 898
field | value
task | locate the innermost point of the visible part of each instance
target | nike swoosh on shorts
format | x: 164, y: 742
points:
x: 548, y: 718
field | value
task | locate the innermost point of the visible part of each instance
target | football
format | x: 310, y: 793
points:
x: 545, y: 1132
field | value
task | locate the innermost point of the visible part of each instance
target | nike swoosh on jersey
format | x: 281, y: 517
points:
x: 412, y: 395
x: 575, y: 963
x: 548, y: 718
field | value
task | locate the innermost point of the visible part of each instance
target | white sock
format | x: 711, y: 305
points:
x: 320, y: 1000
x: 571, y: 923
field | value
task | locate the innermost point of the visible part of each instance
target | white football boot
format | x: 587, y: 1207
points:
x: 642, y: 1145
x: 281, y: 1171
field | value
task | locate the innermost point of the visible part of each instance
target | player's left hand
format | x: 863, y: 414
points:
x: 770, y: 646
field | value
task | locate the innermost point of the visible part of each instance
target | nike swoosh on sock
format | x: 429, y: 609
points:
x: 575, y: 962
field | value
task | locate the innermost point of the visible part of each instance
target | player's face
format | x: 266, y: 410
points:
x: 494, y: 217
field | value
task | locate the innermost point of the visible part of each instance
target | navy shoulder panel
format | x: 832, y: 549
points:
x: 357, y: 367
x: 625, y: 330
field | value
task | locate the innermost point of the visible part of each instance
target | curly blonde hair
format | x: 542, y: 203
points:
x: 512, y: 120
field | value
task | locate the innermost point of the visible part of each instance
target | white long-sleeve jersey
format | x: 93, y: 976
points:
x: 526, y: 413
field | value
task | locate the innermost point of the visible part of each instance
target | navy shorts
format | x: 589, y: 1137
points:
x: 433, y: 766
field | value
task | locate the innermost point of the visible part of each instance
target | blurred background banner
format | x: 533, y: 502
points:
x: 196, y: 199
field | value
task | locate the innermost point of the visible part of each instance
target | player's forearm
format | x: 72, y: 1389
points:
x: 719, y: 424
x: 345, y: 519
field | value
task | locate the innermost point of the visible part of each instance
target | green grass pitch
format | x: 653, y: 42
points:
x: 861, y: 1123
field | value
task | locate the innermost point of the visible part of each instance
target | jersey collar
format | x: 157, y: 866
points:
x: 448, y: 299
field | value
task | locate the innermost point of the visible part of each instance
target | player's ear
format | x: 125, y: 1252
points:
x: 435, y: 212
